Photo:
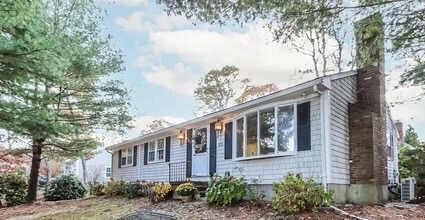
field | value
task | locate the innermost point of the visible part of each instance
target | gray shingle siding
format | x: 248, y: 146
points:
x: 343, y: 92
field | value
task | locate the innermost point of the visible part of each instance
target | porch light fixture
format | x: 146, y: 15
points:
x: 218, y: 126
x: 180, y: 136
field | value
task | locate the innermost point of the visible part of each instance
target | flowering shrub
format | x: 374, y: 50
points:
x: 115, y: 188
x: 225, y: 190
x: 160, y: 192
x: 14, y: 187
x: 185, y: 189
x: 294, y: 194
x: 97, y: 190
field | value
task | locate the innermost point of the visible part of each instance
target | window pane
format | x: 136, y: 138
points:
x: 267, y: 131
x: 108, y: 172
x: 251, y: 134
x: 130, y: 156
x: 151, y: 155
x: 286, y: 121
x: 123, y: 157
x: 200, y: 140
x: 160, y: 149
x: 239, y: 137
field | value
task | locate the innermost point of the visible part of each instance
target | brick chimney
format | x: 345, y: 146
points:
x: 367, y: 121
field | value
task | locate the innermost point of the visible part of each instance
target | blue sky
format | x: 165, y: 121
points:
x: 165, y: 56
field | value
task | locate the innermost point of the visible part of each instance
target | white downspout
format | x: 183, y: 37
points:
x: 325, y: 109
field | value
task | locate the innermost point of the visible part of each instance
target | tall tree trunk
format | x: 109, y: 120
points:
x: 83, y: 163
x: 37, y: 145
x: 47, y: 170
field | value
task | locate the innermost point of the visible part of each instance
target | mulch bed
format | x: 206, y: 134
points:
x: 243, y: 211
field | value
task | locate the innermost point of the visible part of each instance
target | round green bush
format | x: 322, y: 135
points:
x: 64, y: 188
x: 14, y: 187
x: 295, y: 194
x: 225, y: 190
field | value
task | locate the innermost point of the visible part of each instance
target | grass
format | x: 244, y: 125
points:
x: 95, y: 209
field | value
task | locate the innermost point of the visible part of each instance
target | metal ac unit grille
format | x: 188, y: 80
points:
x: 408, y: 189
x: 405, y: 190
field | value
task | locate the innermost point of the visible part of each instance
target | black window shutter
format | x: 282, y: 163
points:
x: 303, y: 127
x: 135, y: 155
x: 228, y: 141
x: 119, y: 159
x: 112, y: 165
x: 145, y: 154
x: 213, y: 149
x: 189, y: 153
x: 167, y: 148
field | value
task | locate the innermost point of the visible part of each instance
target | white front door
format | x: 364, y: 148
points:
x: 200, y: 152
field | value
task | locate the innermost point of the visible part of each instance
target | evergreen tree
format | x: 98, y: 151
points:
x: 56, y: 84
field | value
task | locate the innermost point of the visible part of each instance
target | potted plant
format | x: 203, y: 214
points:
x: 186, y: 191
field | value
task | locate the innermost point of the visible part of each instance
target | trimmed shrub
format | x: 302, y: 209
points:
x: 226, y: 190
x: 160, y: 192
x: 185, y: 189
x: 64, y: 188
x: 115, y: 188
x: 137, y: 189
x: 295, y: 194
x: 97, y: 190
x: 14, y: 187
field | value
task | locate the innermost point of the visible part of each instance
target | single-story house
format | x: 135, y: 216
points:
x: 336, y: 129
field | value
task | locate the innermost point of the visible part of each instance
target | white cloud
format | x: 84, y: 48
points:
x: 140, y: 22
x: 253, y: 52
x: 179, y: 79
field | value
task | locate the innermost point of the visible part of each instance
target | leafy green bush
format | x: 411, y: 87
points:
x: 115, y: 188
x: 226, y: 190
x: 295, y: 194
x: 64, y: 188
x: 97, y: 190
x: 138, y: 189
x: 160, y: 192
x: 14, y: 187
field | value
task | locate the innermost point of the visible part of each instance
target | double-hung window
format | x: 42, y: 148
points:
x: 156, y: 150
x: 127, y: 157
x: 151, y: 152
x: 108, y: 172
x: 160, y: 149
x: 266, y: 132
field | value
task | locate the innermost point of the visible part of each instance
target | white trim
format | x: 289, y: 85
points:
x: 325, y: 114
x: 283, y: 154
x: 126, y: 156
x: 155, y: 150
x: 106, y: 172
x: 206, y: 153
x: 275, y: 107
